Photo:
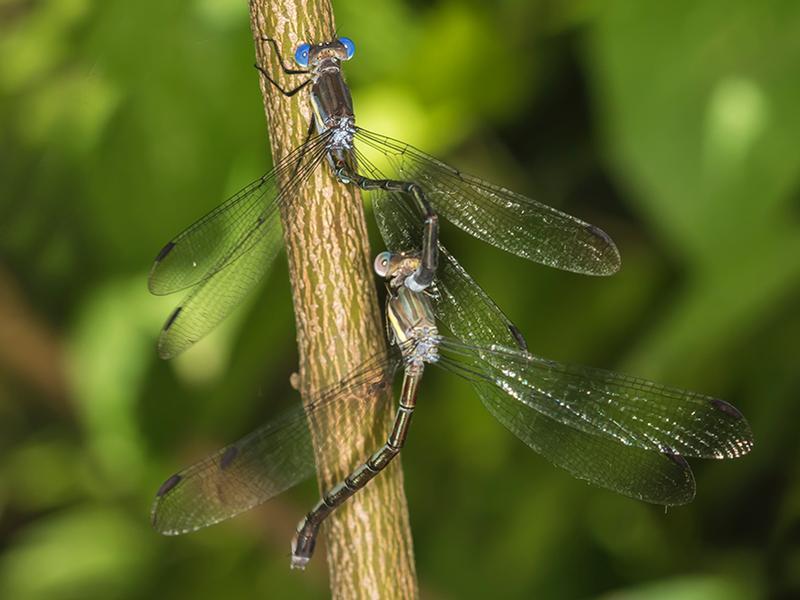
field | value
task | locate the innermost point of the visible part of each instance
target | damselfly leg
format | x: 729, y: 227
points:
x: 286, y: 70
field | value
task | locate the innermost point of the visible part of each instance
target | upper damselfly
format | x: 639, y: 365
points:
x: 222, y: 256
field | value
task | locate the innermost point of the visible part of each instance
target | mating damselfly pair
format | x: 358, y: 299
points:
x: 619, y: 432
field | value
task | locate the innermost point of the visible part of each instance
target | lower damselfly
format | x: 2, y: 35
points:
x: 223, y: 255
x: 620, y: 432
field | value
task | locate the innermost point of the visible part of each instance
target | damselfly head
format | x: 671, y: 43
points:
x: 311, y: 54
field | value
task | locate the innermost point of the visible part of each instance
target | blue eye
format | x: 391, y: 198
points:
x: 301, y: 55
x: 349, y: 47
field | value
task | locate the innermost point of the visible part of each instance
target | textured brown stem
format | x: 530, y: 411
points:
x: 368, y: 541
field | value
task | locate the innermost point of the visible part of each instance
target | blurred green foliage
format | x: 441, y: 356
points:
x: 673, y: 125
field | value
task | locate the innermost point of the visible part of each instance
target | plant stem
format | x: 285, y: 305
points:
x: 338, y: 320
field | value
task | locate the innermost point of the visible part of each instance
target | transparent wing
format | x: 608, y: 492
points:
x: 660, y: 478
x: 459, y: 302
x: 234, y: 227
x: 468, y: 312
x: 471, y: 315
x: 214, y: 298
x: 499, y: 216
x: 274, y: 457
x: 628, y: 410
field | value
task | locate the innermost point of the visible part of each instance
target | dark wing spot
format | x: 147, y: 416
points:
x: 676, y: 458
x: 231, y: 452
x: 168, y: 485
x: 164, y: 251
x: 597, y: 232
x: 728, y: 409
x: 610, y: 251
x: 172, y: 318
x: 520, y: 339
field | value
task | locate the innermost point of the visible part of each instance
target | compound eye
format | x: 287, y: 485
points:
x: 349, y: 47
x: 382, y: 262
x: 301, y: 55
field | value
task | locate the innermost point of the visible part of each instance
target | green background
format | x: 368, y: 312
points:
x: 672, y: 125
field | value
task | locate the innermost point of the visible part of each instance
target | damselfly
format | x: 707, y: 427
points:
x: 619, y: 432
x: 223, y: 255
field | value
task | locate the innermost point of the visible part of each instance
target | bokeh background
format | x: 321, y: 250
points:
x: 672, y: 125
